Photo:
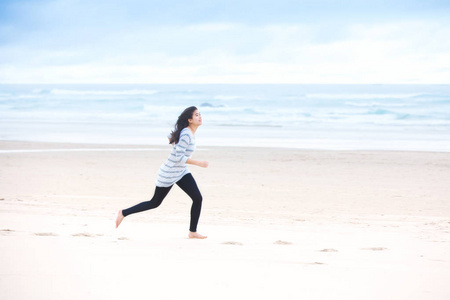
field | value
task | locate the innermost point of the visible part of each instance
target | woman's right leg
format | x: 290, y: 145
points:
x: 158, y: 197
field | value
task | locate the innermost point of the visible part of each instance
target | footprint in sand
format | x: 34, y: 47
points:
x: 83, y: 234
x: 328, y: 250
x: 45, y: 234
x: 309, y: 263
x: 233, y: 243
x: 280, y: 242
x: 375, y: 249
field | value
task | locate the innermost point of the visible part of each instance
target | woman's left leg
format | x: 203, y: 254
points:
x: 189, y: 186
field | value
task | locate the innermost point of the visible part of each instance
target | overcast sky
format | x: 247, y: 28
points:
x: 282, y: 41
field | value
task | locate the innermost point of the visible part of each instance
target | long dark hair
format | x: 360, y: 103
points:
x: 181, y: 123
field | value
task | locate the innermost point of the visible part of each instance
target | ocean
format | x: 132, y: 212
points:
x: 323, y: 117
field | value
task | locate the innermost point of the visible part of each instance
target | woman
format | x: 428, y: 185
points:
x: 174, y: 170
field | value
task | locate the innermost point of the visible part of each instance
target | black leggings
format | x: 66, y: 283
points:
x: 188, y: 185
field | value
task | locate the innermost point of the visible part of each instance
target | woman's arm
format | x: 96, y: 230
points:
x: 200, y: 163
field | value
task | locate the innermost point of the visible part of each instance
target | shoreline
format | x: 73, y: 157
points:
x: 11, y: 146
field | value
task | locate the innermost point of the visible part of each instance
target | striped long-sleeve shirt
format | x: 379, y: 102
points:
x: 174, y: 168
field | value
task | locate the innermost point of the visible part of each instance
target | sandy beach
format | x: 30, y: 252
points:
x: 281, y: 224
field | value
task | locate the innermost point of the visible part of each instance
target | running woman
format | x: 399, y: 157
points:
x: 174, y: 171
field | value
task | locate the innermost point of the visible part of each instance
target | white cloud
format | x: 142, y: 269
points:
x: 396, y: 52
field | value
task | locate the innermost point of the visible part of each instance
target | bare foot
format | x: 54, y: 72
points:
x: 195, y: 235
x: 119, y: 218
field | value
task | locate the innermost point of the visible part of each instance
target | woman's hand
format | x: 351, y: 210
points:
x: 200, y: 163
x: 203, y: 164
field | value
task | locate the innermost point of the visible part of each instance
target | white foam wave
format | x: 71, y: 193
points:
x: 4, y: 95
x: 377, y: 104
x: 337, y: 96
x: 102, y: 92
x: 225, y: 97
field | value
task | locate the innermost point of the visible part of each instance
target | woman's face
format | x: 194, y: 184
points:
x: 196, y: 118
